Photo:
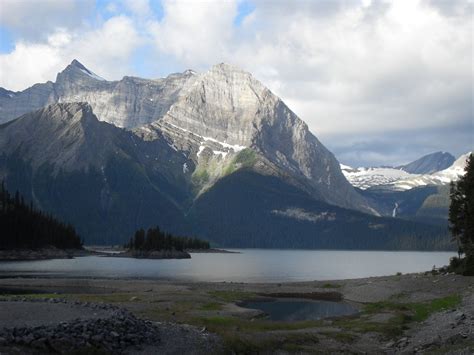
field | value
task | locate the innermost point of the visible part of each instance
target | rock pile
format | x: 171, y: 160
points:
x: 116, y: 333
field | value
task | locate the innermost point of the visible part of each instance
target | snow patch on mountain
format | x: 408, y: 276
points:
x: 399, y: 180
x: 365, y: 178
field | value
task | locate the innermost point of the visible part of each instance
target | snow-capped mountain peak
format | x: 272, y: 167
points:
x: 398, y: 180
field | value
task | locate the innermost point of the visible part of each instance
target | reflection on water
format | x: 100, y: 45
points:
x: 298, y: 310
x: 251, y: 265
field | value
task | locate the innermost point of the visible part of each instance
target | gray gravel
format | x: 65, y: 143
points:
x: 99, y: 327
x: 450, y: 330
x: 29, y: 314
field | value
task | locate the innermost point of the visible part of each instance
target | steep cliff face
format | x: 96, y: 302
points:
x: 220, y: 121
x: 216, y: 155
x: 127, y: 103
x: 225, y: 111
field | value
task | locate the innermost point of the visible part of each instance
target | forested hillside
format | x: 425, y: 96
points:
x: 23, y: 226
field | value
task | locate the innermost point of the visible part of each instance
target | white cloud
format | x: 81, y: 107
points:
x: 37, y: 19
x: 348, y: 68
x: 196, y: 33
x: 107, y: 50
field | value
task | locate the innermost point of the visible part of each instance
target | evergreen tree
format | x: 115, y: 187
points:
x: 461, y: 217
x: 23, y: 226
x: 155, y: 239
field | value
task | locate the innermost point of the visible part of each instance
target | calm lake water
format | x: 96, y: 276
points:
x: 249, y: 265
x: 297, y: 310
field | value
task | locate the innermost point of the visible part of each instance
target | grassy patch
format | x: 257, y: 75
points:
x: 222, y: 323
x: 424, y: 310
x: 329, y: 285
x: 107, y: 298
x: 403, y: 314
x: 392, y: 328
x: 246, y: 158
x: 417, y: 311
x: 232, y: 296
x: 211, y: 306
x: 200, y: 177
x: 340, y: 336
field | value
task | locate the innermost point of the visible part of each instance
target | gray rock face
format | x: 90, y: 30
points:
x: 429, y: 164
x: 127, y: 103
x: 220, y: 121
x: 226, y: 110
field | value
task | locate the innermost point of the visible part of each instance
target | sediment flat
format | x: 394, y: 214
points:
x: 421, y: 312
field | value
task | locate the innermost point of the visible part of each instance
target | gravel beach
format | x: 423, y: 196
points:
x: 413, y: 313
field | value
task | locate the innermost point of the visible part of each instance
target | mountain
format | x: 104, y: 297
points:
x: 443, y: 177
x: 128, y: 103
x: 209, y: 117
x: 420, y: 197
x: 214, y: 154
x: 364, y: 178
x: 104, y: 180
x: 429, y: 164
x: 398, y: 179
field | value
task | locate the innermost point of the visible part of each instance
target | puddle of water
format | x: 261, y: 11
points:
x: 299, y: 310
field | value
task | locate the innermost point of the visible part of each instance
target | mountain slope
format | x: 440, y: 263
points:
x: 129, y: 102
x: 429, y: 164
x: 217, y: 154
x: 104, y: 180
x: 250, y: 210
x: 225, y: 111
x: 209, y: 118
x: 398, y: 179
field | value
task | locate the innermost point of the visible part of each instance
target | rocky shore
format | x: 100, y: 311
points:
x: 41, y: 254
x: 413, y: 313
x: 116, y: 331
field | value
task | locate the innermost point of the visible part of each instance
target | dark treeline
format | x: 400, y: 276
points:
x: 23, y: 226
x: 155, y: 239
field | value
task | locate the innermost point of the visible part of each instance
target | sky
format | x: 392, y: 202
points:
x: 378, y: 82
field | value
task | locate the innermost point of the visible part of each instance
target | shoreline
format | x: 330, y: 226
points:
x: 398, y: 313
x: 51, y: 253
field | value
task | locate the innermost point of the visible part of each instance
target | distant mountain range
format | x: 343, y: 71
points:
x: 214, y: 154
x: 418, y: 196
x: 429, y: 164
x: 434, y: 169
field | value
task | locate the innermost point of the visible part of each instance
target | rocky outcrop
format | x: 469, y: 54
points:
x: 128, y: 103
x: 225, y: 111
x: 209, y: 119
x: 429, y: 164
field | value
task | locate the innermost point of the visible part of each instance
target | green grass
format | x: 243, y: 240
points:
x: 329, y: 285
x: 232, y: 296
x: 221, y: 323
x: 403, y: 314
x: 246, y: 158
x: 211, y: 306
x: 424, y: 310
x: 417, y: 311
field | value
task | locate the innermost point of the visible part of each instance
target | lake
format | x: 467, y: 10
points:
x: 249, y: 265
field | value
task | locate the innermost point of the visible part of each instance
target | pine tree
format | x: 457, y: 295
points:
x: 461, y: 215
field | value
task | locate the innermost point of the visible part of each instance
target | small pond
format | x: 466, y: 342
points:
x: 300, y: 309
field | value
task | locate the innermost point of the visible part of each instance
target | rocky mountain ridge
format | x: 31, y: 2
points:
x: 210, y: 118
x: 215, y: 155
x: 398, y: 179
